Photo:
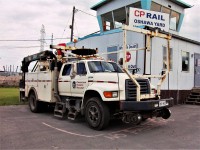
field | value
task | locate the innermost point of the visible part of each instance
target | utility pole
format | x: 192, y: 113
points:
x: 72, y: 25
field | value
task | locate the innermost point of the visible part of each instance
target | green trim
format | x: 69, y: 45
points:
x: 146, y: 4
x: 100, y: 23
x: 180, y: 22
x: 181, y: 3
x: 99, y: 4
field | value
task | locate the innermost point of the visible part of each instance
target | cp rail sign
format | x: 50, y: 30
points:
x: 140, y: 17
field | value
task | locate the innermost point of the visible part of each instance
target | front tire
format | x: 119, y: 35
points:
x: 33, y: 103
x: 97, y: 113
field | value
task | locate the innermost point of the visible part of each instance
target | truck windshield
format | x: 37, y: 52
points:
x: 102, y: 66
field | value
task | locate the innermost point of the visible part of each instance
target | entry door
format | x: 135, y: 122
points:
x: 197, y: 70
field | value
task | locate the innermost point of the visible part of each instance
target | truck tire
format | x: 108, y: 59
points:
x: 33, y: 103
x: 97, y: 113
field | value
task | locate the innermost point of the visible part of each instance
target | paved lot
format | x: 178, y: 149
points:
x: 21, y: 129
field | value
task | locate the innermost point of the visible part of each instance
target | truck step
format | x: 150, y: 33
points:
x: 58, y: 116
x: 60, y: 110
x: 72, y: 115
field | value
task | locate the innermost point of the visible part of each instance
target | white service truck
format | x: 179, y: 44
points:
x: 94, y: 88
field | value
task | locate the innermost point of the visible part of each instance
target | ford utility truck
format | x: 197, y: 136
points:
x: 87, y: 85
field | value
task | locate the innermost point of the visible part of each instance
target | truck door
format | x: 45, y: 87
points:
x: 80, y: 81
x: 64, y: 80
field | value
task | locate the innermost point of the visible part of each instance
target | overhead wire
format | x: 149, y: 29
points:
x: 23, y: 40
x: 65, y: 27
x: 86, y: 13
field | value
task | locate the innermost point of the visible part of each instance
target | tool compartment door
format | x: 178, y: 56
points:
x: 45, y: 86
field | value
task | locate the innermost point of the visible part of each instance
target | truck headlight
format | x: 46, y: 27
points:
x: 110, y: 94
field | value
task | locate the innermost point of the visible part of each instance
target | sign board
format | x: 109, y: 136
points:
x: 128, y: 56
x: 140, y: 17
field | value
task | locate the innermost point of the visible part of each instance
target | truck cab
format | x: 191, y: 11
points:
x: 104, y: 85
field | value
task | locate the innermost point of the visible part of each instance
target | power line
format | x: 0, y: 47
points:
x: 65, y: 28
x: 6, y: 47
x: 23, y: 40
x: 86, y: 13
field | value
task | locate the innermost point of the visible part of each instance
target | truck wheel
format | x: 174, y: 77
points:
x: 33, y: 103
x: 97, y: 113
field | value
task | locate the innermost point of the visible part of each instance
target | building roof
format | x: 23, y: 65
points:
x: 181, y: 3
x: 103, y: 2
x: 99, y: 4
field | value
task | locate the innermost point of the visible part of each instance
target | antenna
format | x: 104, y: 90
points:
x: 42, y: 39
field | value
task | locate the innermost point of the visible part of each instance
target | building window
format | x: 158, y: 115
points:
x: 185, y: 61
x: 165, y: 58
x: 174, y: 16
x: 119, y: 17
x: 155, y: 7
x: 107, y: 21
x: 174, y: 19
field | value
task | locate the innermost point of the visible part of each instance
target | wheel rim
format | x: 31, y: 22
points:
x: 94, y: 115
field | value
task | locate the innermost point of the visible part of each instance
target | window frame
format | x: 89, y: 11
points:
x: 171, y: 58
x: 77, y: 72
x: 188, y: 70
x: 65, y: 70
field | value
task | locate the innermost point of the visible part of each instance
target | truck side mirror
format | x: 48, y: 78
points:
x: 73, y: 71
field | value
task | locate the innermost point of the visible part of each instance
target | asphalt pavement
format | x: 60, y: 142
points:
x: 22, y: 129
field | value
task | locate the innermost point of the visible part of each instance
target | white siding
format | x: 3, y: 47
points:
x: 178, y: 79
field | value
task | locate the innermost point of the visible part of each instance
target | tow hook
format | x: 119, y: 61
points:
x: 132, y: 118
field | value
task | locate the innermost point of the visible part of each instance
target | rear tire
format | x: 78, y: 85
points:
x: 34, y: 104
x: 97, y: 113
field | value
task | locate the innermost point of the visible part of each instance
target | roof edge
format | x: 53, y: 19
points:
x: 182, y: 3
x: 99, y: 4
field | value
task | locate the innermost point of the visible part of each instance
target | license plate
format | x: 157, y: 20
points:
x: 162, y: 103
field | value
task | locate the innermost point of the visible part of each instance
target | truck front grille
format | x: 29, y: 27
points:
x: 130, y: 88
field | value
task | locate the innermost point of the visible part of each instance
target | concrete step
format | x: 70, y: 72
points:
x: 192, y: 99
x: 190, y: 102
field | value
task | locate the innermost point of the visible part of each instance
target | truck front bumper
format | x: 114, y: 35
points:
x: 146, y: 105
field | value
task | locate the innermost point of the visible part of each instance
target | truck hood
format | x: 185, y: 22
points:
x: 109, y: 77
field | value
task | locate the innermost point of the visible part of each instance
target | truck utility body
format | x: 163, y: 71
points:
x: 92, y: 87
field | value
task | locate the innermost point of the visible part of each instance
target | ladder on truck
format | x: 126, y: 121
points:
x: 149, y: 34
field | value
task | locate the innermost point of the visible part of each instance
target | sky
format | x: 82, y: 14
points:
x: 22, y: 20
